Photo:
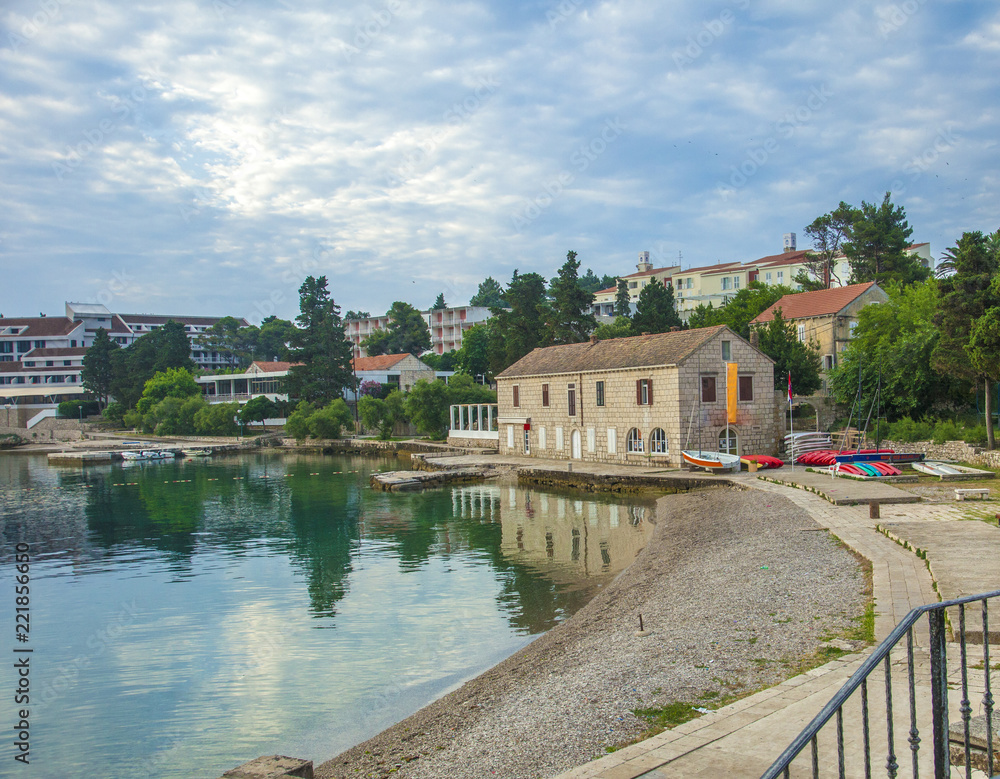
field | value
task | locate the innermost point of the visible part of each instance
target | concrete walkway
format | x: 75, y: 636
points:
x: 743, y: 739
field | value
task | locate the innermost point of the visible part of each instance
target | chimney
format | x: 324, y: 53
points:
x: 674, y: 329
x: 593, y: 339
x: 644, y: 264
x: 754, y: 337
x: 789, y: 242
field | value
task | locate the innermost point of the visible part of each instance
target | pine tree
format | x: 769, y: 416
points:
x: 489, y: 295
x: 320, y: 347
x: 98, y: 374
x: 655, y: 312
x: 570, y: 320
x: 878, y: 246
x: 439, y: 303
x: 623, y: 300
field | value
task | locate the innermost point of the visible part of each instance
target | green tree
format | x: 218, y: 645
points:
x: 655, y: 312
x: 489, y: 295
x: 705, y: 316
x: 878, y: 249
x: 297, y: 423
x: 407, y: 332
x: 331, y: 420
x: 258, y: 409
x: 439, y: 302
x: 357, y: 315
x: 224, y: 338
x: 319, y: 347
x: 623, y: 300
x: 98, y: 372
x: 967, y: 293
x: 428, y: 405
x: 272, y: 340
x: 164, y: 348
x: 829, y: 233
x: 569, y: 320
x: 382, y: 415
x: 777, y: 339
x: 517, y: 329
x: 748, y: 303
x: 171, y: 383
x: 474, y: 357
x: 217, y: 419
x: 173, y: 415
x: 892, y: 347
x: 620, y: 328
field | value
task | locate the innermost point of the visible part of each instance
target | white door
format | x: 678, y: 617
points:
x: 575, y: 443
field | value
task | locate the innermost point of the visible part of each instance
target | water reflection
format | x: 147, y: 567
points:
x: 205, y: 601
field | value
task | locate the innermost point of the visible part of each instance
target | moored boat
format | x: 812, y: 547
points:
x: 716, y: 460
x: 197, y: 452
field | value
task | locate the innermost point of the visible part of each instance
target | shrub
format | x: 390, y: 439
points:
x: 217, y: 419
x: 946, y: 430
x: 132, y: 419
x: 115, y: 412
x: 975, y: 436
x: 70, y: 409
x: 906, y: 430
x: 297, y: 424
x: 328, y: 422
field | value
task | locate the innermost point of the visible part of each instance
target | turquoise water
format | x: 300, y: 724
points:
x: 188, y: 616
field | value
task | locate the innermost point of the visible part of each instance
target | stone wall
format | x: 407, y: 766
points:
x: 474, y: 443
x: 49, y: 429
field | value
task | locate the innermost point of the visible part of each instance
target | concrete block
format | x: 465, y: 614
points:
x: 272, y: 767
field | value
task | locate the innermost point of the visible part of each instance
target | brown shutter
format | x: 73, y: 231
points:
x: 649, y: 391
x: 517, y: 398
x: 638, y: 392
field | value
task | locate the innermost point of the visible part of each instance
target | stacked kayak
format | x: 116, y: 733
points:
x: 869, y: 469
x: 824, y: 457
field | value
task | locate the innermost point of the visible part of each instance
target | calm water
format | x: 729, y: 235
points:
x: 189, y: 616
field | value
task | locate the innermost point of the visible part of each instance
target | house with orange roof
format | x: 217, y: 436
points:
x: 400, y: 370
x: 826, y: 317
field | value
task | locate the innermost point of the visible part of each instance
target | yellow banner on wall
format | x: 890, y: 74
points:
x: 732, y: 387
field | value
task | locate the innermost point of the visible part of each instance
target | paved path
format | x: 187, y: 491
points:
x: 743, y: 739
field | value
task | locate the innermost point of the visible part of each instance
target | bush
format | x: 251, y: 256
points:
x: 217, y: 419
x: 297, y: 424
x: 976, y: 436
x: 70, y: 409
x: 946, y: 430
x: 132, y: 419
x: 906, y: 430
x: 115, y: 412
x: 328, y: 422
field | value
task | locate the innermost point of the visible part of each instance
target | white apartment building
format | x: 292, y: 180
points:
x: 446, y: 326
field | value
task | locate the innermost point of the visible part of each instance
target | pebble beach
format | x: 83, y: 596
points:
x: 736, y: 589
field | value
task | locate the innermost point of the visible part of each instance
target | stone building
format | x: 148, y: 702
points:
x: 640, y: 400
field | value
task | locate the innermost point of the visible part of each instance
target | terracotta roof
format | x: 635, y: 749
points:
x: 118, y: 326
x: 156, y: 319
x: 718, y: 267
x: 823, y: 302
x: 41, y: 326
x: 614, y: 353
x: 380, y: 363
x: 273, y: 367
x: 786, y: 258
x: 20, y: 367
x: 63, y: 351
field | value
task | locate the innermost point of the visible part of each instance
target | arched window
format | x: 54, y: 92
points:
x: 658, y: 441
x: 633, y: 444
x: 728, y: 441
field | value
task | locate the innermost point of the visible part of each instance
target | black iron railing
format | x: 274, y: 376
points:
x: 855, y: 759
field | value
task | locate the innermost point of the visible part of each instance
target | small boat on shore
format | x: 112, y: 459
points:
x: 148, y: 454
x: 197, y: 452
x: 935, y: 469
x: 714, y: 460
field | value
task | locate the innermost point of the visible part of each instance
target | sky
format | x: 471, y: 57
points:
x: 202, y: 157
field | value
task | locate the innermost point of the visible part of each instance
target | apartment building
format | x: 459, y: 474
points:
x: 446, y: 326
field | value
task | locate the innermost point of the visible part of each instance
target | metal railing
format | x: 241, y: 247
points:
x: 936, y: 655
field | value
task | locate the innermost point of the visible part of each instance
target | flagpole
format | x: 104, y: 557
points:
x: 791, y: 421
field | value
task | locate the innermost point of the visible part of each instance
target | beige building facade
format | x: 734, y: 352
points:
x: 639, y: 400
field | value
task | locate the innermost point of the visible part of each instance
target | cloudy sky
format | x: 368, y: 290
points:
x: 204, y: 156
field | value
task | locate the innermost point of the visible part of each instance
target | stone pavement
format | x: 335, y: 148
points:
x: 744, y: 738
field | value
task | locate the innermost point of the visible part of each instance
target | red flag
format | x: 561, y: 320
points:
x: 789, y: 387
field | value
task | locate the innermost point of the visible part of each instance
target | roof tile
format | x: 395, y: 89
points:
x: 822, y: 302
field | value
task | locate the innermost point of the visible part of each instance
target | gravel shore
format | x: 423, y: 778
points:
x: 735, y: 586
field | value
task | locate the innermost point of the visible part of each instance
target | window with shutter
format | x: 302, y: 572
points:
x: 517, y: 396
x: 708, y: 389
x: 545, y: 394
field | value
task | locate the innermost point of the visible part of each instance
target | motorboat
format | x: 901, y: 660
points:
x: 197, y: 452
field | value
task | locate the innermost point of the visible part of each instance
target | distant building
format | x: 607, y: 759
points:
x: 446, y: 326
x: 401, y: 371
x: 261, y: 378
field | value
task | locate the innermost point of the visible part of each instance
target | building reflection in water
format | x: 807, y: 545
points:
x: 566, y: 538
